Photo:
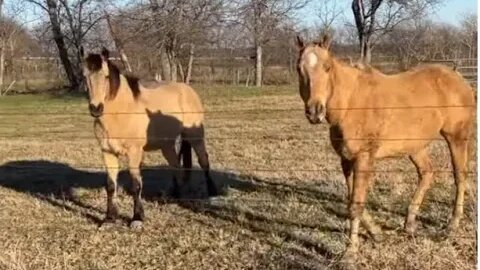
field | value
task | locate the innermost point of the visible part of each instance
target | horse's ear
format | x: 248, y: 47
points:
x: 326, y: 41
x: 299, y: 42
x: 105, y: 54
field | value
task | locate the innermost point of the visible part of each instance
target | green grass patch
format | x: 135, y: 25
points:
x: 52, y: 102
x: 236, y: 91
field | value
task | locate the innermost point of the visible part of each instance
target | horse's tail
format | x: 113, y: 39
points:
x: 185, y: 153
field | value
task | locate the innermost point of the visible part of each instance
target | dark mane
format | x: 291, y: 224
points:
x: 113, y: 79
x: 133, y: 83
x: 94, y: 64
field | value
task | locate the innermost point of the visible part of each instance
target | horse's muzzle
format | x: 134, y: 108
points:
x: 315, y: 114
x: 96, y: 111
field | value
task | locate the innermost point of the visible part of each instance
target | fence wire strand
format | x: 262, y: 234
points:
x: 157, y: 168
x: 253, y: 111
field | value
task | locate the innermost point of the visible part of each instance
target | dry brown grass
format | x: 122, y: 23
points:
x: 282, y: 205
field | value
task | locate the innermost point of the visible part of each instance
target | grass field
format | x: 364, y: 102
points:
x: 282, y: 203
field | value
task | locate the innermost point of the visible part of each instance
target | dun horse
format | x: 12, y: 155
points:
x: 373, y: 115
x: 131, y: 117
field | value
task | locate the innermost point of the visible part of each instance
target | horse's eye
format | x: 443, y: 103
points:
x: 107, y: 77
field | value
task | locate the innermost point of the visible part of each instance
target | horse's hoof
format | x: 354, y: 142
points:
x: 107, y: 224
x: 175, y: 193
x: 410, y: 228
x: 452, y: 227
x: 349, y: 260
x: 136, y: 225
x: 448, y: 232
x: 378, y: 237
x: 213, y: 192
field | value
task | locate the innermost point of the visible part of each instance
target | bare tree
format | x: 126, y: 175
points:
x: 170, y: 26
x: 51, y: 7
x: 118, y: 43
x: 328, y: 12
x: 468, y: 33
x: 2, y: 45
x: 70, y: 22
x: 374, y: 18
x: 191, y: 54
x: 261, y: 18
x: 10, y: 32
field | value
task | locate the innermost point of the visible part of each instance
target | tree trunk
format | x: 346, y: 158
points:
x: 2, y: 48
x: 1, y: 9
x: 165, y: 63
x: 180, y: 70
x: 2, y: 65
x: 62, y: 49
x: 118, y: 44
x: 366, y: 51
x: 190, y: 64
x: 258, y: 66
x: 173, y: 66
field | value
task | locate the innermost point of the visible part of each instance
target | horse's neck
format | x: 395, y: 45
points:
x: 124, y: 101
x: 342, y: 83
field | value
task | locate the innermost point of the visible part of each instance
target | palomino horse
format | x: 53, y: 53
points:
x: 132, y: 117
x: 373, y: 115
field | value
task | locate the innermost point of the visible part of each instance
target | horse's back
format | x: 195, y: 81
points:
x: 425, y: 85
x: 418, y: 103
x: 178, y: 100
x: 445, y: 88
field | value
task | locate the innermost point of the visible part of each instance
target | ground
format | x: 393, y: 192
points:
x: 282, y: 204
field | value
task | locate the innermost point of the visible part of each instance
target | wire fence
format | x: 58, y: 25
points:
x: 238, y: 169
x: 245, y: 111
x: 315, y: 200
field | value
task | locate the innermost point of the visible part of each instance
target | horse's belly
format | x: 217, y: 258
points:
x: 381, y: 148
x: 399, y: 148
x: 153, y: 145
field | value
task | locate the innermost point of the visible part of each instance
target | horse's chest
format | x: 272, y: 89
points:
x: 348, y: 143
x: 339, y: 142
x: 109, y: 141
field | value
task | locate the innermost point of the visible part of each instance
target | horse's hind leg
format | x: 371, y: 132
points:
x: 134, y: 159
x: 201, y: 152
x: 172, y: 158
x: 111, y: 163
x: 185, y: 156
x: 424, y: 167
x: 458, y: 145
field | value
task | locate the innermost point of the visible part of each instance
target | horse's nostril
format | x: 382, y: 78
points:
x: 96, y: 110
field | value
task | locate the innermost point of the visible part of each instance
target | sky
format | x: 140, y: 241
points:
x: 449, y: 11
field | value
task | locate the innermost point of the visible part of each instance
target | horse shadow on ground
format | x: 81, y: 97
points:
x: 53, y: 182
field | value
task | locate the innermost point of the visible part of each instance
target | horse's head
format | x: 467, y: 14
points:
x: 314, y: 66
x: 102, y: 79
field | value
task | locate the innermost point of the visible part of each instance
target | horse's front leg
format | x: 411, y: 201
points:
x: 135, y: 156
x: 361, y: 175
x: 367, y: 220
x: 111, y: 163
